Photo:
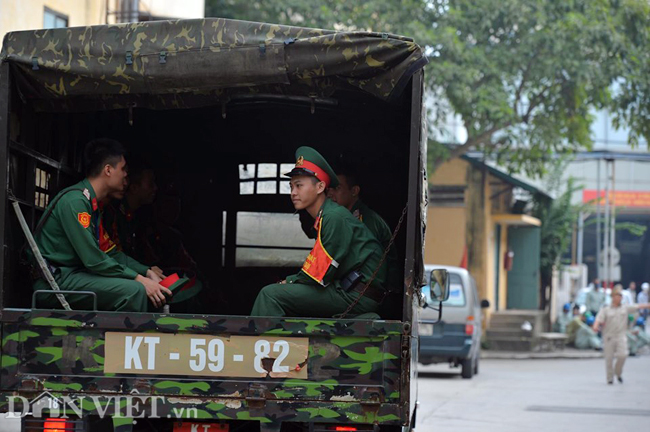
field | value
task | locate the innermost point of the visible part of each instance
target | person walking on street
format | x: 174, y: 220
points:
x: 595, y: 298
x: 613, y: 320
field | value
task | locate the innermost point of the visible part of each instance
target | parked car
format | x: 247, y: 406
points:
x: 456, y: 339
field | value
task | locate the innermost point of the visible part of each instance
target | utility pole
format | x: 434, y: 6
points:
x: 598, y: 245
x: 606, y: 230
x: 612, y: 221
x: 581, y: 234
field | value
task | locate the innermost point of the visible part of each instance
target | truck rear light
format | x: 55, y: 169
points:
x: 344, y: 429
x: 57, y: 425
x: 469, y: 325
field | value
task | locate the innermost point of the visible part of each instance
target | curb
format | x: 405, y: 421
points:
x: 565, y: 354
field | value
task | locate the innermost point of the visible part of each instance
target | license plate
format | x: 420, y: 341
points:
x: 426, y: 329
x: 206, y: 355
x: 200, y: 427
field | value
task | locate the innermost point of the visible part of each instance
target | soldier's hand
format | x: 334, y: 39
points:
x: 155, y: 291
x: 153, y: 275
x: 158, y: 271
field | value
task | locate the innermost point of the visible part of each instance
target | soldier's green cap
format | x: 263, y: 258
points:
x: 183, y: 287
x: 311, y: 163
x: 191, y: 288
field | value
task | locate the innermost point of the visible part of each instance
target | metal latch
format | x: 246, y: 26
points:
x: 162, y: 57
x: 129, y: 57
x: 35, y: 63
x: 406, y: 347
x: 256, y: 395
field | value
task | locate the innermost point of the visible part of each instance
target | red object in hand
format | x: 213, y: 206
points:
x: 170, y: 280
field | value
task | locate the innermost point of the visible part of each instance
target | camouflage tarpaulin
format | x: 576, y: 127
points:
x: 203, y: 58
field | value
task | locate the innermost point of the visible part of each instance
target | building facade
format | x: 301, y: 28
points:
x: 35, y: 14
x: 477, y: 220
x: 610, y: 169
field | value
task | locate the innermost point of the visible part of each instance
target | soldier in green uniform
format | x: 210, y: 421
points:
x: 80, y: 251
x: 127, y: 220
x: 346, y: 194
x: 342, y: 262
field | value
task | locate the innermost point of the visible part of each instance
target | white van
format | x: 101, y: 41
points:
x: 456, y: 339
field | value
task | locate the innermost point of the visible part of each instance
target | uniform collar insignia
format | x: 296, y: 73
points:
x: 320, y: 214
x: 87, y: 194
x: 357, y: 214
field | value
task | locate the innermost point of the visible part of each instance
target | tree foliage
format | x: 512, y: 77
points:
x: 524, y: 76
x: 558, y: 218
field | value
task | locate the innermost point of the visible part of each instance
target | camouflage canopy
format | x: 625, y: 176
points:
x: 183, y: 63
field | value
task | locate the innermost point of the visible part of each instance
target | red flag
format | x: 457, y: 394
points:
x: 463, y: 261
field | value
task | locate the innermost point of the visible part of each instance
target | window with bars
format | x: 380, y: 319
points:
x: 264, y: 178
x: 42, y: 188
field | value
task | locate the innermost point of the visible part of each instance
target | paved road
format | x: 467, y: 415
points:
x: 535, y: 395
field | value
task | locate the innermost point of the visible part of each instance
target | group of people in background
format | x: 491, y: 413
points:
x: 613, y: 324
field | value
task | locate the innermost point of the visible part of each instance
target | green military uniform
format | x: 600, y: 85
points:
x: 129, y: 231
x: 85, y: 258
x: 378, y: 226
x: 140, y: 235
x: 343, y: 244
x: 119, y: 222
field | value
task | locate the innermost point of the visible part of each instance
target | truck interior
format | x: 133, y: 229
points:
x: 225, y: 161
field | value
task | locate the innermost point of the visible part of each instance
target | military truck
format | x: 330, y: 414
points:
x: 219, y: 106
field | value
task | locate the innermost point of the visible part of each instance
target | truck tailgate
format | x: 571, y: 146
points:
x: 236, y: 366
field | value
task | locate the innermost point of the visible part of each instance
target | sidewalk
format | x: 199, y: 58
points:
x: 566, y: 353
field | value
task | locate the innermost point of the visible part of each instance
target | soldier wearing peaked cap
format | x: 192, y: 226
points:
x: 347, y: 194
x: 342, y: 262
